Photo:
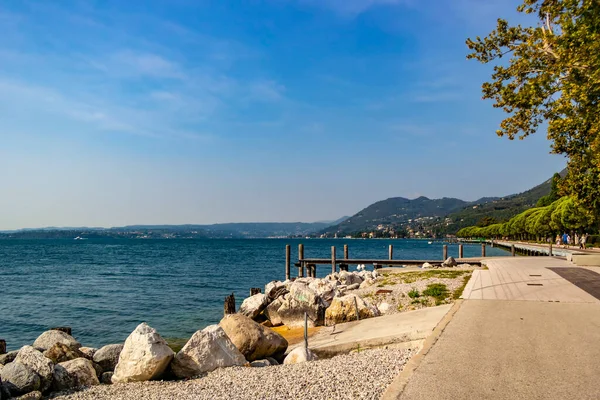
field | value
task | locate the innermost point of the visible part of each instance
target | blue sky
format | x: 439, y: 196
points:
x: 184, y: 111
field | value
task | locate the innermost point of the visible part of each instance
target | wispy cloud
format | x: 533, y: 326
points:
x: 266, y: 90
x: 353, y: 7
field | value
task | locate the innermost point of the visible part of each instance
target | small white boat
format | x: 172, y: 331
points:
x: 430, y: 242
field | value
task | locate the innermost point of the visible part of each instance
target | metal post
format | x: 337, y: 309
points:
x: 445, y: 252
x: 306, y: 330
x: 288, y: 253
x: 356, y: 308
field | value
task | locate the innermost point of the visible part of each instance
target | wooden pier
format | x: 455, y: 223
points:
x: 308, y: 266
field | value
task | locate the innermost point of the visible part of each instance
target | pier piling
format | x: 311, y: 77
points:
x: 300, y: 258
x: 288, y: 253
x: 2, y: 346
x: 65, y: 329
x: 482, y: 249
x: 255, y: 290
x: 391, y: 253
x: 445, y: 252
x: 460, y: 251
x: 333, y: 262
x: 229, y: 306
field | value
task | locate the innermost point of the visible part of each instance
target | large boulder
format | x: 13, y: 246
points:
x: 60, y: 352
x: 252, y: 306
x: 108, y: 356
x: 302, y: 299
x: 300, y: 355
x: 343, y: 309
x: 145, y: 356
x: 450, y: 262
x: 8, y: 357
x: 324, y: 288
x: 273, y: 286
x: 253, y: 340
x: 426, y: 266
x: 82, y: 372
x: 349, y: 278
x: 271, y: 312
x: 19, y: 379
x: 206, y: 351
x: 50, y: 338
x: 41, y: 365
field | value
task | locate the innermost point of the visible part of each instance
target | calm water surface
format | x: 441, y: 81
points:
x: 103, y: 288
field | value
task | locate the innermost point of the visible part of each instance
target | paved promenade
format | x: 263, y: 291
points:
x: 512, y: 340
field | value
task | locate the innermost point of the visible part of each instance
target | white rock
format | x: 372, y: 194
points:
x: 41, y: 365
x: 426, y: 266
x: 450, y: 262
x: 366, y: 283
x: 301, y: 299
x: 253, y: 340
x: 324, y: 288
x: 145, y: 356
x: 273, y: 285
x: 383, y: 308
x: 49, y: 338
x: 349, y: 278
x: 252, y: 306
x: 206, y: 351
x: 343, y: 309
x: 375, y: 274
x: 300, y: 355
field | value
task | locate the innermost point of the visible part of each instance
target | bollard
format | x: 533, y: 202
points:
x: 460, y: 251
x: 288, y: 252
x: 445, y: 252
x: 482, y: 249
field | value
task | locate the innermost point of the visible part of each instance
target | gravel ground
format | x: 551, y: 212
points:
x: 399, y: 300
x: 363, y: 375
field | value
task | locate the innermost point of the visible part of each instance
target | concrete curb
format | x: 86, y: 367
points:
x: 395, y: 389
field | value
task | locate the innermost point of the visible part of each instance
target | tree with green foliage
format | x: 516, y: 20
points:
x: 554, y: 192
x: 551, y: 77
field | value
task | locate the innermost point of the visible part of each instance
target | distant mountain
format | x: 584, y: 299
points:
x: 396, y: 211
x: 499, y: 209
x: 439, y: 216
x: 228, y: 230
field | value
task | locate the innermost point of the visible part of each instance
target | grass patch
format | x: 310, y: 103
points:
x: 414, y: 293
x: 438, y: 291
x: 458, y: 292
x: 413, y: 276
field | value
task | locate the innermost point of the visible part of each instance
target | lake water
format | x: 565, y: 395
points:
x: 104, y: 288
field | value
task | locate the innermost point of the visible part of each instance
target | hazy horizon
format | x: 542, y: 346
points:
x: 297, y: 110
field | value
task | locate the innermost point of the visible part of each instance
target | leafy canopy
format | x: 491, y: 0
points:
x: 552, y: 75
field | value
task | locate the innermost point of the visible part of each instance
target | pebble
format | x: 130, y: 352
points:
x: 361, y: 375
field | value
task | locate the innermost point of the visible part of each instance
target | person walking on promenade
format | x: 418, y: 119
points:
x: 564, y: 239
x: 576, y: 240
x: 569, y: 240
x: 557, y: 240
x: 582, y: 241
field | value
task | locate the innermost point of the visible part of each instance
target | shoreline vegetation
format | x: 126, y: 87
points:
x: 267, y: 331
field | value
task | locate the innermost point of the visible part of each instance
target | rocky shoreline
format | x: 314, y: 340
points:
x: 57, y: 365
